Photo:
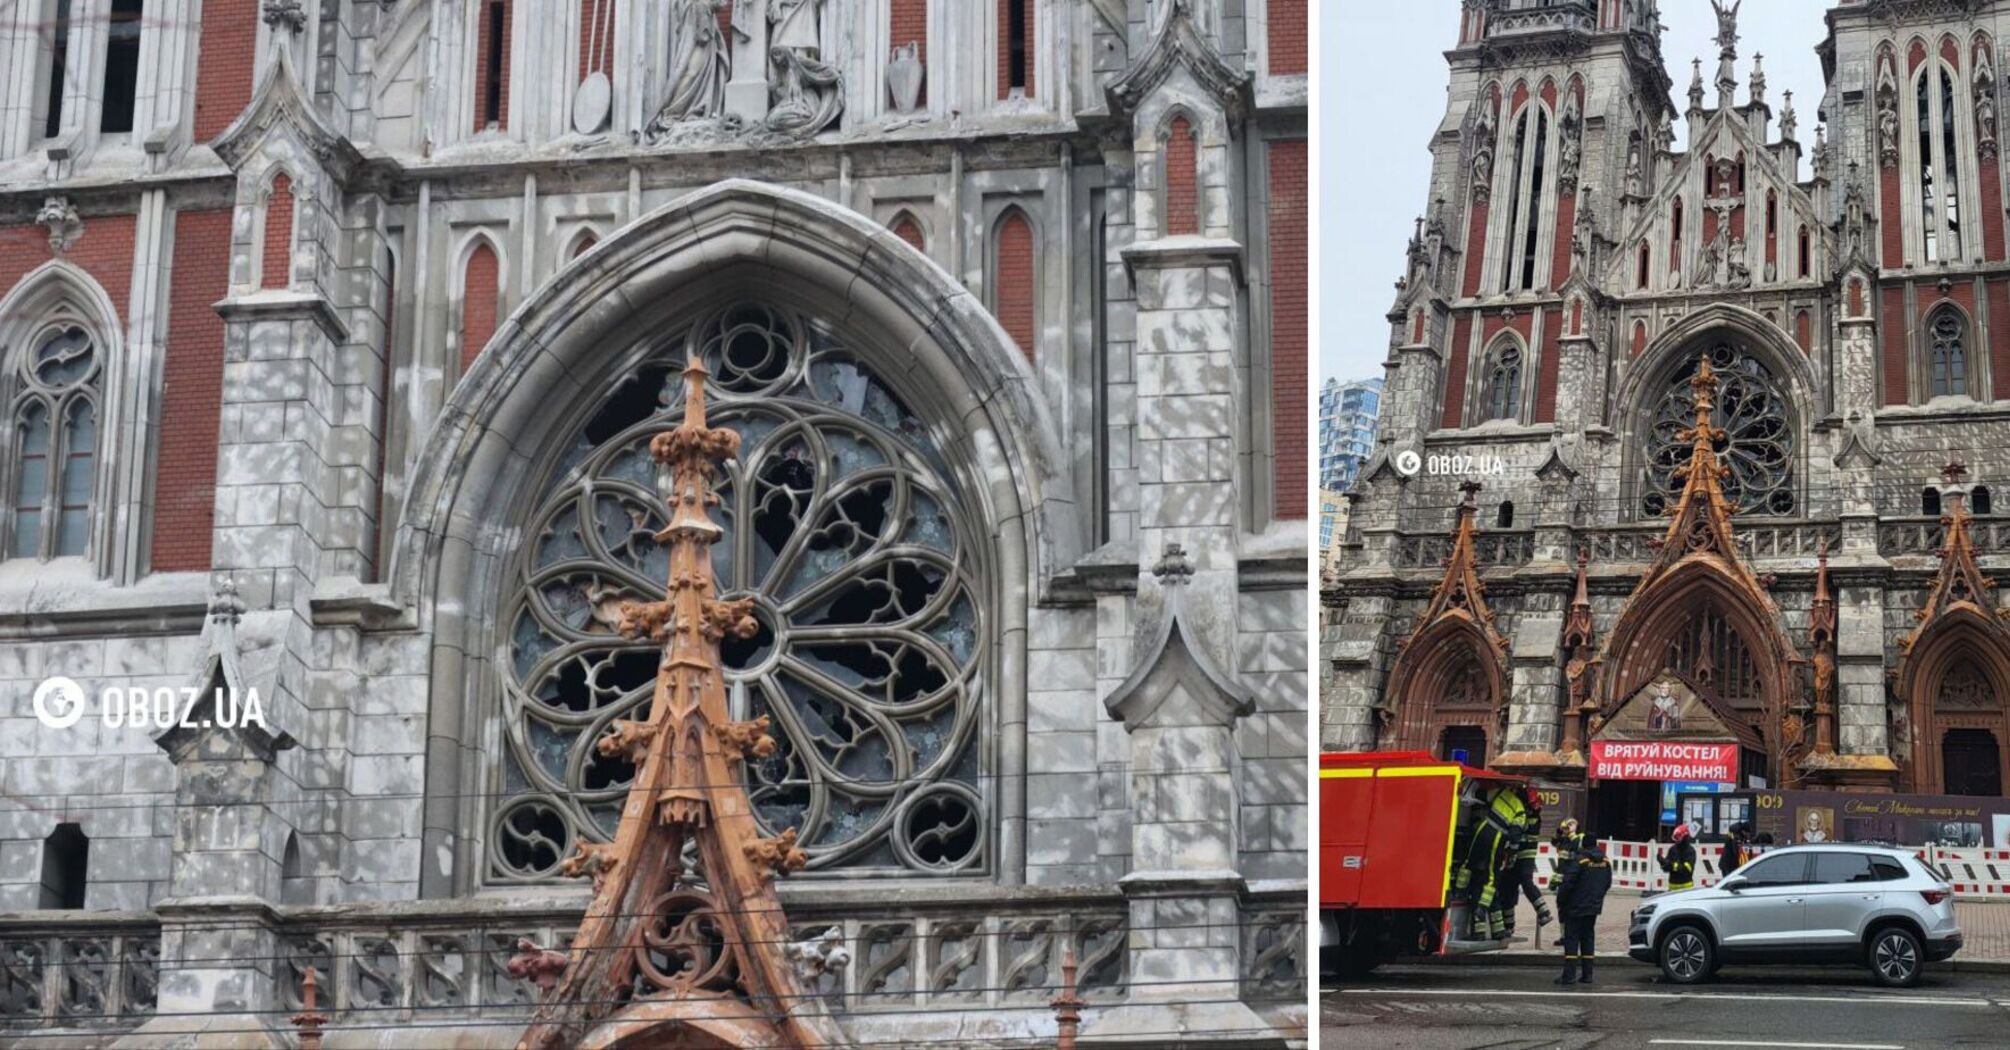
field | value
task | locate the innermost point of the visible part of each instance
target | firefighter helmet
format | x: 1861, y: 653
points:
x: 1681, y: 833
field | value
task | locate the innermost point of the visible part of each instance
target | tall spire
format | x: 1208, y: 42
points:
x: 665, y: 950
x: 1579, y: 646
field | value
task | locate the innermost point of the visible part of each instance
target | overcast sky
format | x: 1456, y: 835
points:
x: 1383, y: 94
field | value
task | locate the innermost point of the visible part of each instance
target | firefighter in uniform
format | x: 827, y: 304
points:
x: 1491, y: 849
x: 1567, y: 839
x: 1680, y: 860
x: 1583, y: 881
x: 1521, y: 882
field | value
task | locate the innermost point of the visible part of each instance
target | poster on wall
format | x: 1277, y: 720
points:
x: 1906, y: 820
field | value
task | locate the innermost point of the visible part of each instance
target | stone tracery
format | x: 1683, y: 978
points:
x: 841, y: 527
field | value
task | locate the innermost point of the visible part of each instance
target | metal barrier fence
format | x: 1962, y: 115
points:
x: 1973, y: 873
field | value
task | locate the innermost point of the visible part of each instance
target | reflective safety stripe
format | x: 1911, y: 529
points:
x: 1345, y: 774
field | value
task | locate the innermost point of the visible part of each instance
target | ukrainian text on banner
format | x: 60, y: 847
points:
x: 1663, y: 760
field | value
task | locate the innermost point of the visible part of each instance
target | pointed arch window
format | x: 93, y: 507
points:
x: 1937, y: 164
x: 1948, y: 349
x: 1503, y: 390
x: 1526, y: 189
x: 53, y: 474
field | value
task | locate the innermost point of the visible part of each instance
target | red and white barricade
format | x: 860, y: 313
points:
x: 1635, y: 865
x: 1972, y: 872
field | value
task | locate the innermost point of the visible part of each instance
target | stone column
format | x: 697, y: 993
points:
x: 219, y: 936
x: 1180, y: 711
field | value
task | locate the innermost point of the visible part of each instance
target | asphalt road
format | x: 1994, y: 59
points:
x: 1492, y: 1007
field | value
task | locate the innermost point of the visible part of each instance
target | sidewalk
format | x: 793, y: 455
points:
x: 1984, y: 924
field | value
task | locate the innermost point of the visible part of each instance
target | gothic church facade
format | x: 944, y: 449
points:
x: 333, y: 335
x: 1839, y: 263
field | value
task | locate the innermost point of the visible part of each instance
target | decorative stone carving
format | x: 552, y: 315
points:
x: 1887, y: 111
x: 1483, y: 152
x: 904, y: 74
x: 699, y: 67
x: 1634, y: 177
x: 1856, y: 216
x: 1790, y: 124
x: 1570, y: 126
x: 1985, y: 106
x: 806, y: 94
x: 60, y: 216
x: 285, y: 14
x: 819, y: 956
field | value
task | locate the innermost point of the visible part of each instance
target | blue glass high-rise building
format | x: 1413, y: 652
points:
x: 1348, y: 416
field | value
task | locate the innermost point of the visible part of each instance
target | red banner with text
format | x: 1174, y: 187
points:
x: 1663, y: 760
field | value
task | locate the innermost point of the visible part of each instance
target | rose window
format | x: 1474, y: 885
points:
x: 1758, y: 443
x: 839, y: 522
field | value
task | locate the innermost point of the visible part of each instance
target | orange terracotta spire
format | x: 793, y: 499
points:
x: 703, y: 949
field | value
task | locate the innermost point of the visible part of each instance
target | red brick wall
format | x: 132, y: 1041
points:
x: 1999, y: 340
x: 1677, y: 221
x: 1476, y: 256
x: 277, y: 268
x: 908, y: 24
x: 1018, y: 278
x: 1566, y: 222
x: 1545, y: 377
x: 1639, y: 338
x: 1287, y: 36
x: 593, y: 57
x: 229, y: 41
x: 105, y: 252
x: 1804, y: 333
x: 910, y: 231
x: 1005, y: 45
x: 1290, y: 345
x: 486, y: 18
x: 1897, y: 388
x: 584, y: 245
x: 191, y: 393
x: 1890, y: 225
x: 1182, y: 168
x: 480, y: 292
x: 1992, y: 210
x: 1455, y: 374
x: 1773, y: 230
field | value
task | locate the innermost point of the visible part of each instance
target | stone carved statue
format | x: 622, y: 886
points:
x: 1483, y: 152
x: 1887, y: 112
x: 699, y: 66
x: 805, y: 92
x: 1856, y: 215
x: 1571, y: 126
x: 1985, y: 106
x: 1727, y: 23
x: 1633, y: 175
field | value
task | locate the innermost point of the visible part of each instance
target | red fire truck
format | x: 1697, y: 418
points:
x: 1393, y: 826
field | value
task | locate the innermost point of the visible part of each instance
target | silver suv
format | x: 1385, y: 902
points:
x: 1874, y: 906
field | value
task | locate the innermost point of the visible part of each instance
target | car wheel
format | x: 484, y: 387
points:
x: 1895, y: 958
x: 1687, y: 956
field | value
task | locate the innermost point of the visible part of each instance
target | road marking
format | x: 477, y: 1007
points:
x: 1871, y: 1000
x: 1804, y: 1046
